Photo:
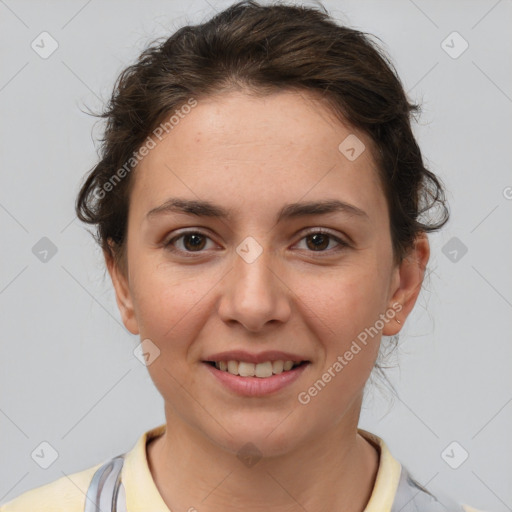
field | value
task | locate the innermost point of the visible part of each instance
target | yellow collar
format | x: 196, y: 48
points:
x: 142, y: 493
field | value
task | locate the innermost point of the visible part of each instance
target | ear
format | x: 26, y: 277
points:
x: 123, y: 294
x: 406, y: 283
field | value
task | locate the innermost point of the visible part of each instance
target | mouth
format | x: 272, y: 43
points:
x: 261, y: 370
x: 260, y: 379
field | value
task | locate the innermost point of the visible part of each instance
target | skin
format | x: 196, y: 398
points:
x: 253, y: 155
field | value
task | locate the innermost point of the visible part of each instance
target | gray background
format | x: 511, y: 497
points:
x: 68, y: 374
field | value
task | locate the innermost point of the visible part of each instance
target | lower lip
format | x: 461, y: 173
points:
x: 257, y: 386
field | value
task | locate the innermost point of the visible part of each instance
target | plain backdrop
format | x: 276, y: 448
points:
x: 68, y: 375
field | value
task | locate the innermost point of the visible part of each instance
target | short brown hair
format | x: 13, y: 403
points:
x: 263, y: 49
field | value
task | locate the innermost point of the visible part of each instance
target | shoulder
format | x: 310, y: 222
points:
x: 396, y: 490
x: 66, y: 494
x: 411, y: 497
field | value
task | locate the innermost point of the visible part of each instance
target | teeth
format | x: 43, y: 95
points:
x: 233, y: 367
x: 246, y: 369
x: 277, y: 367
x: 262, y: 370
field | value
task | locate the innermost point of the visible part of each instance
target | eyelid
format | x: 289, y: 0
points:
x: 324, y: 231
x: 168, y: 243
x: 342, y: 244
x: 188, y: 231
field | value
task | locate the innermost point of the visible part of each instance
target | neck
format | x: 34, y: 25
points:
x: 336, y: 470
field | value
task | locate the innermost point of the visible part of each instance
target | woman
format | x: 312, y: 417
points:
x: 258, y: 203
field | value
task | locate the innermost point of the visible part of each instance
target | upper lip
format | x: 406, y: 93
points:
x: 261, y: 357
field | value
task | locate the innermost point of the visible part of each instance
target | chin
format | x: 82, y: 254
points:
x: 269, y: 435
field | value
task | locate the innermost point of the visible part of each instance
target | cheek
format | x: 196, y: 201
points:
x: 168, y: 303
x: 171, y: 310
x: 350, y: 307
x: 348, y: 301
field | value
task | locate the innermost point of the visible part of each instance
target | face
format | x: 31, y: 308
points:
x: 268, y: 282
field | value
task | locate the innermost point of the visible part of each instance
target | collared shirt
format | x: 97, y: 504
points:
x: 394, y: 489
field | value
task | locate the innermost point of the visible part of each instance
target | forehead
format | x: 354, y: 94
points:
x: 247, y: 151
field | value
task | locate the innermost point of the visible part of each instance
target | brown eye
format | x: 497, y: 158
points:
x: 195, y: 241
x: 319, y: 241
x: 191, y: 241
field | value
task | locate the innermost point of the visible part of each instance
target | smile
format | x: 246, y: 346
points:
x: 255, y: 379
x: 260, y: 370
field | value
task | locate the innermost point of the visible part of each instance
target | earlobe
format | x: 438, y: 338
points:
x: 123, y: 294
x: 409, y: 277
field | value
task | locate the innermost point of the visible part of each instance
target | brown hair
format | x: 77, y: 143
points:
x: 263, y: 49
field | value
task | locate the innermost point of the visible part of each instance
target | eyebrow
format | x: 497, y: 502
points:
x: 289, y: 211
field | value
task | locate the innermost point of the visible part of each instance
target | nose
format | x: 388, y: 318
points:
x: 254, y: 294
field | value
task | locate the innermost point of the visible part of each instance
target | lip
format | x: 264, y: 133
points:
x: 256, y: 386
x: 242, y: 355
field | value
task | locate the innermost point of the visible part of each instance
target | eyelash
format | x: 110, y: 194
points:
x: 191, y: 254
